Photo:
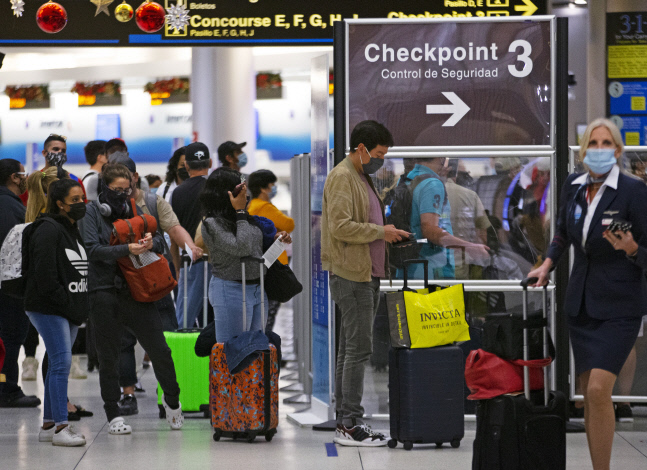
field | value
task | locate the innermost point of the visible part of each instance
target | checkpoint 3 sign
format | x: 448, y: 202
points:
x: 235, y: 22
x: 437, y: 83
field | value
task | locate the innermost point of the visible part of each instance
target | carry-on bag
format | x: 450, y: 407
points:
x: 520, y: 431
x: 429, y: 318
x: 245, y: 404
x: 426, y: 393
x: 191, y: 371
x: 148, y: 275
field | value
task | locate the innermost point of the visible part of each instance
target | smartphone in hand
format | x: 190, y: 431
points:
x: 619, y: 225
x: 237, y: 189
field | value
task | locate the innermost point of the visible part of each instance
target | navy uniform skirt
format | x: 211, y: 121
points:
x: 602, y: 344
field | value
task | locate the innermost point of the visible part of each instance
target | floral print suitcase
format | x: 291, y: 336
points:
x: 246, y: 404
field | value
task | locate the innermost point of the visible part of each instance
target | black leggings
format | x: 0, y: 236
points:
x: 111, y: 310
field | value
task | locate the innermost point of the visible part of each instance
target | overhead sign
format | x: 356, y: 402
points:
x: 627, y: 74
x: 235, y: 22
x: 439, y: 83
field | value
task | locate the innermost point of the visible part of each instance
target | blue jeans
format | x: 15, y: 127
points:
x: 59, y: 335
x: 226, y: 297
x: 195, y: 294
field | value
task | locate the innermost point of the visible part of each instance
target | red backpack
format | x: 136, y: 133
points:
x: 148, y: 275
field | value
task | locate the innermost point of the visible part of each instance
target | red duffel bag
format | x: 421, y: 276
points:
x: 148, y: 275
x: 488, y: 376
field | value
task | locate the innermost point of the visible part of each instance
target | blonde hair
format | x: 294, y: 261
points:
x: 613, y: 129
x: 37, y: 185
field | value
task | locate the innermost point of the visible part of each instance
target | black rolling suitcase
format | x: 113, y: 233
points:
x: 522, y: 432
x: 426, y: 393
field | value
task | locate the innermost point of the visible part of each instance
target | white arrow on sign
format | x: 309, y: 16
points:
x: 458, y: 108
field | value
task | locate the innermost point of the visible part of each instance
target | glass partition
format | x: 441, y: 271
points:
x: 503, y: 203
x: 631, y: 385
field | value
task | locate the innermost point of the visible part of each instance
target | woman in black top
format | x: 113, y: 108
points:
x: 606, y: 295
x: 111, y: 305
x: 13, y: 322
x: 56, y: 299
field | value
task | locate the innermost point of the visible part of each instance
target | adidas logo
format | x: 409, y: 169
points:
x: 79, y: 260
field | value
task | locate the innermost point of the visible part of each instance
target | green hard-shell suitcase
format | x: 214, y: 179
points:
x: 192, y: 372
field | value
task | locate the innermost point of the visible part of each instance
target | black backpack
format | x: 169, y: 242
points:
x: 400, y: 216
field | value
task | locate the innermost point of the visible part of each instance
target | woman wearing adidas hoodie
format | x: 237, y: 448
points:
x: 56, y: 299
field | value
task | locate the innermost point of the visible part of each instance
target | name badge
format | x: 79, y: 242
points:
x: 578, y: 212
x: 606, y: 222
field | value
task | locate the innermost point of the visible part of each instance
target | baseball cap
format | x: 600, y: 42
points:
x: 197, y: 152
x: 227, y: 148
x: 124, y: 159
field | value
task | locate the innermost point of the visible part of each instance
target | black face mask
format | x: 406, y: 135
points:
x: 116, y: 201
x: 183, y: 174
x: 77, y: 210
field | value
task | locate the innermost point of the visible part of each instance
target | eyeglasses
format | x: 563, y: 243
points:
x: 62, y: 138
x: 120, y: 191
x: 22, y: 173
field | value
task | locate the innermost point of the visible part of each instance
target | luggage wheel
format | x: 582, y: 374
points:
x: 456, y: 443
x: 439, y: 444
x: 392, y: 443
x: 162, y: 412
x: 251, y: 437
x: 216, y: 435
x: 408, y: 445
x: 270, y: 435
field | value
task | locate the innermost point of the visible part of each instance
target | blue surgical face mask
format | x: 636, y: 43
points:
x: 600, y: 161
x: 273, y: 191
x: 242, y: 160
x: 154, y: 190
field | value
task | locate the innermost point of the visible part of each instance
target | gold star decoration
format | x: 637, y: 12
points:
x: 102, y: 6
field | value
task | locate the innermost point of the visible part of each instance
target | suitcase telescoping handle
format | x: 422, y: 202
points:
x: 261, y: 261
x: 425, y: 265
x: 186, y: 259
x: 544, y: 311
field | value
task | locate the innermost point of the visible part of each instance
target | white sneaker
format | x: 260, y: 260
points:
x: 76, y: 371
x: 117, y: 426
x: 29, y: 369
x: 174, y: 417
x: 66, y: 437
x: 360, y: 435
x: 46, y: 435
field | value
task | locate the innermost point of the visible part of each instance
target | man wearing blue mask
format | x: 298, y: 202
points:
x: 231, y: 155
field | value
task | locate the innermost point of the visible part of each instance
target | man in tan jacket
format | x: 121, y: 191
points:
x: 353, y: 250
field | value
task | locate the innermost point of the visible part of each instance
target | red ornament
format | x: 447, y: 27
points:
x: 51, y: 17
x: 150, y: 17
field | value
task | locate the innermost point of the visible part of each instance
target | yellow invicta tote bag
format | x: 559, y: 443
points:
x: 437, y: 318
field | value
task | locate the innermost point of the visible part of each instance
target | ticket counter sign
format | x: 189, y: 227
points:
x: 234, y: 22
x: 441, y: 83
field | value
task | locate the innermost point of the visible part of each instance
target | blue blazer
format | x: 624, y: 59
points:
x: 609, y: 283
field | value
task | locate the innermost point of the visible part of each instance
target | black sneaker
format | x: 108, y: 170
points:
x: 18, y: 400
x: 624, y: 413
x: 128, y: 405
x: 360, y: 435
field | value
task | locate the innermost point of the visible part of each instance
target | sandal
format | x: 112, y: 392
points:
x: 82, y: 412
x: 117, y: 426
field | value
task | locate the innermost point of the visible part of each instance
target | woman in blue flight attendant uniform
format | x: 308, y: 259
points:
x: 606, y: 295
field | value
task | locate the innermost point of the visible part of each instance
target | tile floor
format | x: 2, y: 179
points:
x: 154, y: 446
